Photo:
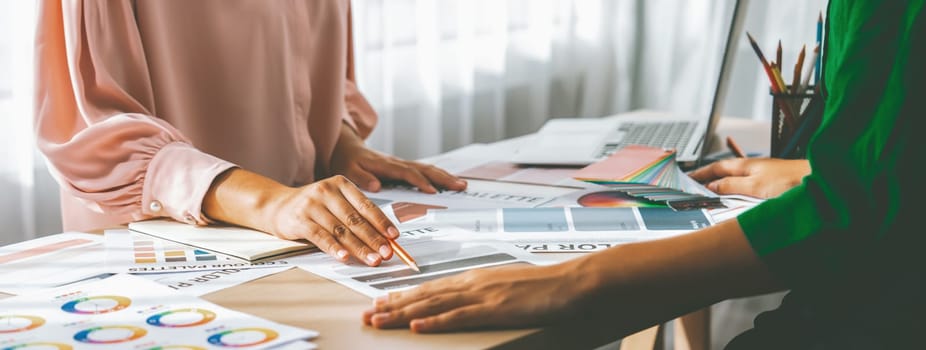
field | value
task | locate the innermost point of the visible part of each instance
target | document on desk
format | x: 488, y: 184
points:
x: 239, y: 242
x: 50, y: 261
x: 571, y: 226
x: 504, y: 171
x: 436, y: 258
x: 407, y: 204
x: 198, y: 283
x: 127, y: 312
x: 735, y: 205
x: 132, y: 252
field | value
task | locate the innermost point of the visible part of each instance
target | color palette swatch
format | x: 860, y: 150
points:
x: 150, y: 250
x: 19, y: 323
x: 648, y: 174
x: 243, y: 337
x: 40, y: 346
x: 634, y: 164
x: 406, y: 211
x: 134, y: 252
x: 614, y: 199
x: 564, y: 220
x: 96, y: 305
x: 189, y: 317
x: 110, y: 334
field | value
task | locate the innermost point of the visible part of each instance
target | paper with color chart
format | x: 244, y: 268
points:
x: 133, y: 252
x: 571, y: 225
x: 406, y: 204
x: 127, y: 312
x: 239, y: 242
x: 50, y: 261
x: 435, y: 257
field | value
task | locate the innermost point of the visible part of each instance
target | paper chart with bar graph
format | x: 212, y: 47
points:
x: 133, y: 252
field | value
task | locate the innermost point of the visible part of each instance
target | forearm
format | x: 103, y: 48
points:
x: 645, y: 283
x: 242, y: 198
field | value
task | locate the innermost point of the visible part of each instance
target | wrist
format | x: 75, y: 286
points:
x: 244, y: 198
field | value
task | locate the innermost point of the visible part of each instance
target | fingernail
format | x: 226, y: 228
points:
x: 380, y: 300
x: 372, y: 258
x: 393, y: 232
x: 372, y: 185
x: 712, y: 186
x: 461, y: 182
x: 342, y: 254
x: 416, y: 325
x: 381, y: 317
x: 385, y: 251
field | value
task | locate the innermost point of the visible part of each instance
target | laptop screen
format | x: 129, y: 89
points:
x: 723, y: 79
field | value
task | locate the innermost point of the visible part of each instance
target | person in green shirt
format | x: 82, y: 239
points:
x: 847, y: 241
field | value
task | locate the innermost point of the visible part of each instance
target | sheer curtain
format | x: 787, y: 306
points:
x: 28, y: 195
x: 447, y: 73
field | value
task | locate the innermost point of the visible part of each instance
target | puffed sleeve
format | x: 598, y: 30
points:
x: 95, y: 118
x: 360, y: 115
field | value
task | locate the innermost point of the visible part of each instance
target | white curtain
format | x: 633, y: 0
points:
x: 28, y: 195
x: 446, y: 73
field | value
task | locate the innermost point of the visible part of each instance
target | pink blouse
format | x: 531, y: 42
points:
x: 141, y: 104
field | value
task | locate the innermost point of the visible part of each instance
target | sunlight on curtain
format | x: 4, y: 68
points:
x: 19, y: 164
x: 446, y: 73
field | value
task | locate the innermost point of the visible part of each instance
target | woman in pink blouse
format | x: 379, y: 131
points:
x: 214, y: 110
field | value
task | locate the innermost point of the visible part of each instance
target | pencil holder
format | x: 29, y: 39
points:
x: 795, y: 118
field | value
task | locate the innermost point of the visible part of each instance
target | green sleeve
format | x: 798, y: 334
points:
x: 851, y: 199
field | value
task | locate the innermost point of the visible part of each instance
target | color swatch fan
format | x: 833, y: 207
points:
x: 646, y: 173
x: 634, y: 164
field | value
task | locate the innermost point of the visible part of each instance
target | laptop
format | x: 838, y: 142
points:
x: 578, y: 142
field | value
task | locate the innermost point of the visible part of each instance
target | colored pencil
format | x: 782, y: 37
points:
x: 810, y: 69
x: 778, y: 55
x: 798, y: 68
x: 402, y: 254
x: 737, y: 151
x: 776, y: 88
x: 819, y: 61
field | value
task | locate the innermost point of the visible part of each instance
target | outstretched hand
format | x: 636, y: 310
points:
x: 757, y: 177
x: 367, y: 168
x: 490, y: 298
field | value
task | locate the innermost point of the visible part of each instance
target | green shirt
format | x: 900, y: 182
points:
x: 849, y: 240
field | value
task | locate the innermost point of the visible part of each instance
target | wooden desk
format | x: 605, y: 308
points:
x: 302, y: 299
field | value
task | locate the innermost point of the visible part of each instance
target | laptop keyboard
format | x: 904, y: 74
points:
x: 670, y: 135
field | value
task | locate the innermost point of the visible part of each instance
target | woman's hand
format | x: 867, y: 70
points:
x: 365, y: 167
x: 331, y: 213
x: 512, y: 296
x: 757, y: 177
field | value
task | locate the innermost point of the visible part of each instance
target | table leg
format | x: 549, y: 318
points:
x: 693, y: 331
